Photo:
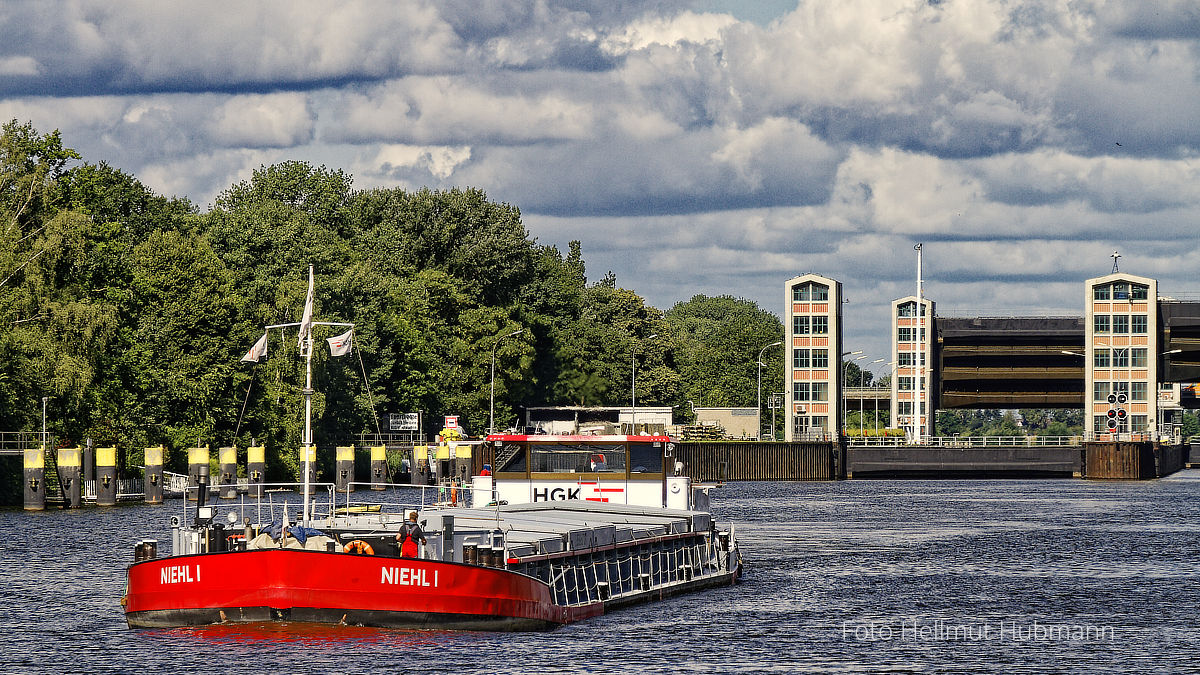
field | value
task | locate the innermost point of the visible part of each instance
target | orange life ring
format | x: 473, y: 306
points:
x: 359, y: 547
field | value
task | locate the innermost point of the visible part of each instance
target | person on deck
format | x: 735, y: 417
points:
x: 410, y: 533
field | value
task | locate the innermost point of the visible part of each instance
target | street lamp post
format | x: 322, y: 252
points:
x: 1158, y: 409
x: 758, y: 419
x: 845, y: 370
x: 492, y: 399
x: 633, y: 385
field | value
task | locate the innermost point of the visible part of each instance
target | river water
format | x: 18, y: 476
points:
x: 915, y: 576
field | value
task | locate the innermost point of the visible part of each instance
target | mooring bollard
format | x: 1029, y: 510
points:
x: 344, y: 470
x: 69, y: 474
x: 154, y: 474
x: 35, y: 479
x: 227, y: 461
x: 106, y: 476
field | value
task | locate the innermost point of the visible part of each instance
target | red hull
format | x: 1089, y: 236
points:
x: 268, y: 584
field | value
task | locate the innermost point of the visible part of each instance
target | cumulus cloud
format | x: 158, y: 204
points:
x: 690, y: 151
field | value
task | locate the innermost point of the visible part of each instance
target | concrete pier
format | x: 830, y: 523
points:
x: 106, y: 476
x: 343, y: 473
x: 154, y: 474
x: 71, y: 477
x: 227, y: 465
x: 34, y: 479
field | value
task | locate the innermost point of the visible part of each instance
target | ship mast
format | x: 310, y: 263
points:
x: 305, y: 341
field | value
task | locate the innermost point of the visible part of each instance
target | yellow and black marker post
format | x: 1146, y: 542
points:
x: 256, y: 468
x: 344, y: 470
x: 227, y: 459
x: 35, y: 479
x: 379, y: 467
x: 154, y: 474
x: 106, y: 476
x: 70, y: 476
x: 197, y: 458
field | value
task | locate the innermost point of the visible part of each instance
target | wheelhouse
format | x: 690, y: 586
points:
x: 617, y: 469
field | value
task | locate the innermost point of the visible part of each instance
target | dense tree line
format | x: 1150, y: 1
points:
x: 130, y: 311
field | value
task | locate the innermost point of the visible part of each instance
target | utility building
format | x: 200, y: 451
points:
x: 812, y: 371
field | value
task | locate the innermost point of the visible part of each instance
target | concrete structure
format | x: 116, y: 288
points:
x: 913, y: 401
x: 1009, y: 362
x: 813, y: 366
x: 1121, y: 359
x: 737, y: 422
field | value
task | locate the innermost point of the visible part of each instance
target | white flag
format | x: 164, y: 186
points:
x: 258, y: 351
x: 339, y: 345
x: 306, y: 320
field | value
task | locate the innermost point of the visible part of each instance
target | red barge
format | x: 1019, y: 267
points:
x: 569, y: 527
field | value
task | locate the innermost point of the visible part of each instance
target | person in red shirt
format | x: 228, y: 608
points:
x: 410, y: 533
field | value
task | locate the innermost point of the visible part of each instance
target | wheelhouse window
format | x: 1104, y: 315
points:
x: 645, y: 458
x: 577, y: 458
x: 510, y: 458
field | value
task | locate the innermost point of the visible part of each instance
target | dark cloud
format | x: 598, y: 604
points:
x: 1159, y: 20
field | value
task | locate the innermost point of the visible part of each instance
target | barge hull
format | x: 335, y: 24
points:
x: 299, y: 585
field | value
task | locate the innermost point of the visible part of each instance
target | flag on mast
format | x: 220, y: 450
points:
x: 258, y: 351
x: 339, y: 345
x: 307, y: 320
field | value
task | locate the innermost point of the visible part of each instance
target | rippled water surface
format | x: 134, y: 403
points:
x: 1006, y: 576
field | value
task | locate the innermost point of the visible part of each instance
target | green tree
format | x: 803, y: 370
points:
x: 719, y: 340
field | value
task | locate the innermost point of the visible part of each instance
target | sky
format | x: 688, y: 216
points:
x: 694, y: 147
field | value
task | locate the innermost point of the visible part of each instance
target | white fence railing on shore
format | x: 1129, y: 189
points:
x: 969, y: 441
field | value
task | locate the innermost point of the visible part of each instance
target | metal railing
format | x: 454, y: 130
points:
x: 969, y: 441
x: 16, y: 442
x: 127, y: 489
